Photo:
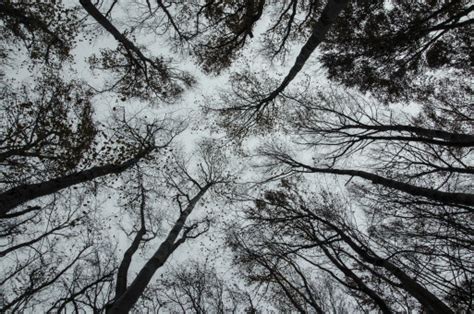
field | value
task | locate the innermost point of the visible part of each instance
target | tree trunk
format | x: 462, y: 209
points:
x: 360, y: 283
x: 466, y: 199
x: 27, y: 192
x: 425, y: 297
x: 122, y: 274
x: 428, y: 135
x: 105, y: 23
x: 128, y: 299
x: 320, y: 29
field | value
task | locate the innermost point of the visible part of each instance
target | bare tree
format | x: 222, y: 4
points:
x: 196, y: 287
x: 250, y: 102
x: 138, y: 75
x: 132, y: 145
x: 292, y: 228
x: 189, y: 192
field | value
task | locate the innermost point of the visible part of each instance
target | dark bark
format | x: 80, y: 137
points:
x: 466, y: 199
x: 425, y: 297
x: 105, y: 23
x: 128, y: 299
x: 431, y: 302
x: 320, y: 29
x: 122, y: 273
x: 171, y: 20
x: 426, y: 135
x: 22, y: 212
x: 27, y: 192
x: 360, y: 283
x: 350, y: 121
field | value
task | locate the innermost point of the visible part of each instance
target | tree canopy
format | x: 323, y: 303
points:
x: 243, y: 156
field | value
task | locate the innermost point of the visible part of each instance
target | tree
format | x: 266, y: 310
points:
x: 96, y: 199
x: 367, y: 59
x: 132, y: 145
x: 196, y: 287
x: 289, y: 228
x: 189, y: 191
x: 406, y: 151
x: 138, y: 75
x: 320, y: 28
x: 380, y: 49
x: 248, y: 107
x: 417, y: 189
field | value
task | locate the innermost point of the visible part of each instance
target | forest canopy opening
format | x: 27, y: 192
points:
x: 247, y: 156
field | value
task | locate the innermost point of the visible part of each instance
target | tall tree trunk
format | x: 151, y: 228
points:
x: 320, y: 29
x: 425, y: 297
x: 27, y: 192
x: 105, y: 23
x: 360, y: 283
x: 122, y: 273
x: 426, y: 135
x: 128, y: 299
x: 466, y: 199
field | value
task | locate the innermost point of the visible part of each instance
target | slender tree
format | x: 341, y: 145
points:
x: 134, y: 148
x: 211, y: 173
x: 138, y: 75
x: 297, y: 228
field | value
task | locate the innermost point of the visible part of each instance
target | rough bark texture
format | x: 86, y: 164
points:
x: 128, y: 299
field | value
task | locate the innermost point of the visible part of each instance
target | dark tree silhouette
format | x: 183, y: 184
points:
x: 290, y: 228
x: 382, y: 49
x: 248, y: 107
x: 132, y: 145
x: 189, y: 192
x: 47, y: 30
x: 138, y: 75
